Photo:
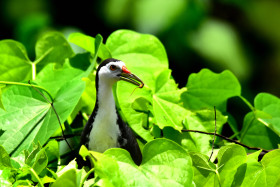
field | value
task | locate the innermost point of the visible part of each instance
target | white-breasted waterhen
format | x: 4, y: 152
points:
x: 105, y: 128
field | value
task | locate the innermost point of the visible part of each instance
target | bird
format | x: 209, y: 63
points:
x: 105, y: 128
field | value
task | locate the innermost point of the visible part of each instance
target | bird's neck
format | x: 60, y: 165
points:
x: 105, y: 131
x: 105, y: 96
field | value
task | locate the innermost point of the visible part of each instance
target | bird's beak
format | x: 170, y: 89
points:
x: 127, y: 76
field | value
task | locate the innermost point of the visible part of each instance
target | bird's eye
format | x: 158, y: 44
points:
x: 113, y: 67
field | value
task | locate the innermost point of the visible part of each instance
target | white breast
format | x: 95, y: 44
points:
x: 105, y: 131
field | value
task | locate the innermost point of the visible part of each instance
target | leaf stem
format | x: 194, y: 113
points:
x: 247, y: 103
x: 85, y: 116
x: 86, y: 176
x: 33, y: 65
x: 43, y: 56
x: 36, y: 176
x: 218, y: 176
x: 28, y: 85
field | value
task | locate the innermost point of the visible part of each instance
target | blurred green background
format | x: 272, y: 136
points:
x: 242, y: 36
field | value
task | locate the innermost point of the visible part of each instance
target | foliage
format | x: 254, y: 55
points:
x: 157, y: 113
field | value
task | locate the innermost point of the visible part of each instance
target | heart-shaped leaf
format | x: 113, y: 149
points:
x: 230, y: 158
x: 52, y: 47
x: 164, y: 163
x: 29, y: 118
x: 204, y: 92
x: 254, y: 133
x: 15, y: 64
x: 271, y: 105
x: 204, y: 171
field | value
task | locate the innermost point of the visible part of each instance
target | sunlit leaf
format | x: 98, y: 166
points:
x: 52, y: 78
x: 164, y: 163
x: 230, y: 158
x: 4, y: 158
x: 88, y: 43
x: 256, y: 134
x: 29, y: 118
x: 15, y: 64
x: 66, y: 179
x: 52, y: 47
x: 207, y: 89
x: 271, y: 105
x: 204, y: 171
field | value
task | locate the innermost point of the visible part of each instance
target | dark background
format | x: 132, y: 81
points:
x: 242, y: 36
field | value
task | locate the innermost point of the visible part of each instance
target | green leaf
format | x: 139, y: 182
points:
x: 66, y: 179
x: 4, y: 159
x: 248, y: 173
x: 207, y: 89
x: 126, y: 45
x: 264, y: 173
x: 271, y: 105
x: 97, y: 44
x: 88, y: 43
x: 164, y: 163
x: 15, y: 64
x: 255, y: 134
x: 204, y: 171
x: 64, y: 169
x: 271, y: 164
x: 52, y: 151
x: 30, y: 157
x: 52, y: 47
x: 52, y: 78
x: 70, y: 170
x: 40, y: 162
x: 230, y: 158
x: 32, y: 116
x: 5, y: 175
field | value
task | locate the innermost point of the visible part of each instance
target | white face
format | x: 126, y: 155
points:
x: 111, y: 72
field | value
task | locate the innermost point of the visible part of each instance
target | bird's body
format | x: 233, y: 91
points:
x: 105, y: 128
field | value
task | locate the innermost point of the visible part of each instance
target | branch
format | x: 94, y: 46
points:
x: 228, y: 139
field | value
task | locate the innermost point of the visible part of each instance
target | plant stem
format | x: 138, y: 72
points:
x: 214, y: 134
x: 28, y: 85
x: 36, y: 176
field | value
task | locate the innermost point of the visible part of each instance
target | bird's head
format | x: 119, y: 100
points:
x: 112, y: 70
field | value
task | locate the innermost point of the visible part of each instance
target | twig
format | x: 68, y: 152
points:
x: 214, y: 134
x: 226, y: 138
x: 58, y: 138
x: 57, y: 116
